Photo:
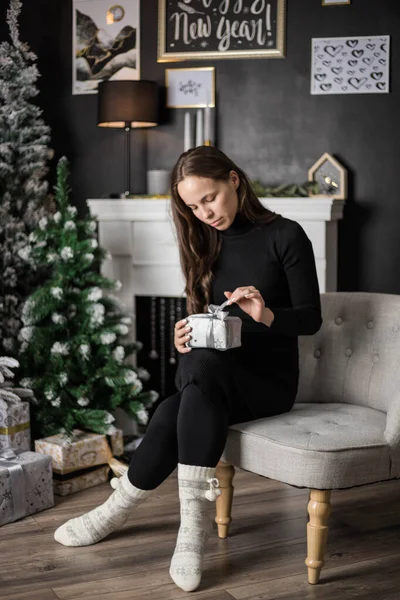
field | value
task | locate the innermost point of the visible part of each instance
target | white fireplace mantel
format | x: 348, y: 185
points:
x: 141, y: 239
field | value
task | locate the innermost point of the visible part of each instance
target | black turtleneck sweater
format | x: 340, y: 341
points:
x: 277, y: 258
x: 259, y: 378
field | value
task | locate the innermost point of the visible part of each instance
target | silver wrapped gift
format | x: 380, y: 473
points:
x: 215, y: 329
x: 26, y: 485
x: 14, y: 417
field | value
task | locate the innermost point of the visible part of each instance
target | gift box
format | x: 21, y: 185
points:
x: 81, y: 450
x: 215, y: 329
x: 117, y: 442
x: 79, y: 480
x: 14, y: 419
x: 26, y: 485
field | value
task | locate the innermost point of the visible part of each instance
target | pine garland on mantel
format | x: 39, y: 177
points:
x: 286, y: 190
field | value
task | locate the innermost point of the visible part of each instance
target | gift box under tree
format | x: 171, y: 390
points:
x: 14, y: 412
x: 82, y: 460
x: 81, y: 450
x: 67, y: 484
x: 26, y: 485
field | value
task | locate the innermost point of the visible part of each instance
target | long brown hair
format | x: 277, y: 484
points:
x: 199, y: 244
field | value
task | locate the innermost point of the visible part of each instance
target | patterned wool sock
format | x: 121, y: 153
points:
x: 197, y: 486
x: 106, y: 518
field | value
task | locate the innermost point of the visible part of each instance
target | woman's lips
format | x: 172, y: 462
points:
x: 215, y: 222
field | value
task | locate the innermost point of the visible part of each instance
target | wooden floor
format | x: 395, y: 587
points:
x: 262, y: 559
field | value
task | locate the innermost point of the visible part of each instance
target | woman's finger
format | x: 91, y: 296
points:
x: 183, y: 332
x: 184, y: 350
x: 245, y: 294
x: 241, y: 293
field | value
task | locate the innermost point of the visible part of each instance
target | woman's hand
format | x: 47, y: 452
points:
x: 249, y: 299
x: 182, y: 336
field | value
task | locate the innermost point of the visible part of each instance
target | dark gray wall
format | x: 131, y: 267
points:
x: 267, y: 121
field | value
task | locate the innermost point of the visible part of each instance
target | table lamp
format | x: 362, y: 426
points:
x: 127, y: 104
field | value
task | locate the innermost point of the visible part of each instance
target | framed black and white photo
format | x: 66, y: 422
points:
x: 213, y: 29
x: 105, y: 42
x: 350, y: 65
x: 190, y: 88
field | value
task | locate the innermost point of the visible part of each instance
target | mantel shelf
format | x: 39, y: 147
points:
x: 318, y: 208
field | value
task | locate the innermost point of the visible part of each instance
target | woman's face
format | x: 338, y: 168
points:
x: 213, y: 202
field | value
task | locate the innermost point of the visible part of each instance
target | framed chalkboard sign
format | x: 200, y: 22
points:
x: 204, y: 29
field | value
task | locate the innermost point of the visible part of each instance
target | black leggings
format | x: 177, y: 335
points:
x: 191, y: 426
x: 187, y: 427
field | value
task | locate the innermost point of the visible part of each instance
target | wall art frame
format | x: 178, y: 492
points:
x: 190, y: 88
x: 105, y: 42
x: 211, y: 29
x: 350, y: 65
x: 335, y: 2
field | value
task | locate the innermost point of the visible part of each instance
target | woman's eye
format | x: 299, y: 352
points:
x: 212, y: 200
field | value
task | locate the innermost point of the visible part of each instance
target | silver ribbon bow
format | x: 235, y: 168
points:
x: 10, y: 460
x: 217, y: 312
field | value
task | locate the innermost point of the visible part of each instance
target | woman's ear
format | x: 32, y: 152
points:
x: 235, y: 179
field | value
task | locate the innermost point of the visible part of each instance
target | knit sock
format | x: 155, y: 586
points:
x: 106, y: 518
x: 196, y: 487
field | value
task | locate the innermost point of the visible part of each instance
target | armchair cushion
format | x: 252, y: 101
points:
x: 319, y: 446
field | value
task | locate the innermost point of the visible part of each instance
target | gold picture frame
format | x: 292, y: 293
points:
x: 206, y: 78
x: 278, y: 51
x: 335, y: 2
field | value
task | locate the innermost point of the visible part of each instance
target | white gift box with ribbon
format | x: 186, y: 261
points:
x: 26, y: 485
x: 215, y: 329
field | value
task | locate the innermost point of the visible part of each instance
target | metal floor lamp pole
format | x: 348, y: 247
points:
x: 127, y: 160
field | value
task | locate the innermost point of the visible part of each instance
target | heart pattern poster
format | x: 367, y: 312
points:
x: 350, y: 65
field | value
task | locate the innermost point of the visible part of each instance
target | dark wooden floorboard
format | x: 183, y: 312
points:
x: 263, y: 559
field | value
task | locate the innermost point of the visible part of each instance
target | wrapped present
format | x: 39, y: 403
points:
x: 14, y: 418
x: 26, y: 485
x: 81, y: 450
x: 116, y: 440
x: 79, y: 480
x: 215, y: 329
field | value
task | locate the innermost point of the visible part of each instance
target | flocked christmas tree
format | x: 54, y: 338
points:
x: 71, y: 353
x: 24, y: 139
x: 8, y: 393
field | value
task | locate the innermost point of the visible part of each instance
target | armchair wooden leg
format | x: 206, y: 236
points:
x: 319, y: 509
x: 224, y: 473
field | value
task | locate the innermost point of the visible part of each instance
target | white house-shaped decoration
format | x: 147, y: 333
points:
x: 331, y: 177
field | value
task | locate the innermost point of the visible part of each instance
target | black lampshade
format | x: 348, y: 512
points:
x: 132, y: 103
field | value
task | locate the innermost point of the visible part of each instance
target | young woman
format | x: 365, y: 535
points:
x: 231, y: 247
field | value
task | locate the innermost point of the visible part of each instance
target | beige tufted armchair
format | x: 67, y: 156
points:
x: 344, y: 429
